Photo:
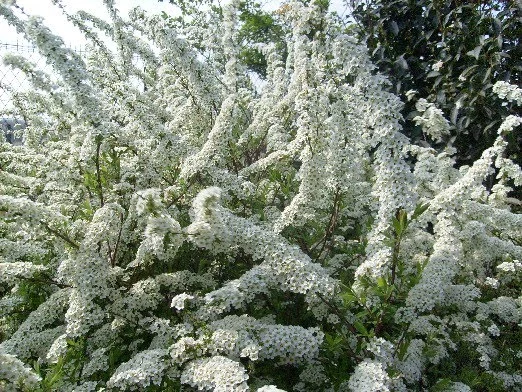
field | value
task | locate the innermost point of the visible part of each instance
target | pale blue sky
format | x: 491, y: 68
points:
x: 57, y: 22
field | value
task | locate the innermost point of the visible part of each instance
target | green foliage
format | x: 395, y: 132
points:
x: 358, y: 313
x: 474, y: 44
x: 258, y: 26
x: 65, y: 369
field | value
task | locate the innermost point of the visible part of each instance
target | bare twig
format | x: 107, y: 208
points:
x: 98, y: 173
x: 60, y: 235
x: 331, y: 223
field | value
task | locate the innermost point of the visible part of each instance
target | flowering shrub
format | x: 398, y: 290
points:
x: 168, y: 225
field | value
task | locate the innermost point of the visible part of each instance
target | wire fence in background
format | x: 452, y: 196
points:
x: 14, y: 80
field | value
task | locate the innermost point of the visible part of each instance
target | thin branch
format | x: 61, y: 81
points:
x: 331, y: 223
x: 351, y: 328
x: 60, y: 235
x: 98, y: 173
x: 115, y: 253
x: 336, y: 311
x: 45, y: 281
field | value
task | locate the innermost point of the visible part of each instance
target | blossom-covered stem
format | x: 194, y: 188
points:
x: 98, y: 171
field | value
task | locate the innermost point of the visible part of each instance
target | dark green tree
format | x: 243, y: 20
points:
x: 449, y: 52
x: 258, y: 26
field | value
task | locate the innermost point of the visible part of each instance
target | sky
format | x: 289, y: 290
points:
x: 58, y: 23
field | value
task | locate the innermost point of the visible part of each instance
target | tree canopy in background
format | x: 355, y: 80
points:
x: 450, y: 53
x: 447, y: 52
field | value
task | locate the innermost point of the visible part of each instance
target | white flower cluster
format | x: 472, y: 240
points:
x: 37, y: 333
x: 166, y: 209
x: 15, y: 374
x: 57, y: 349
x: 269, y: 388
x: 178, y: 302
x: 9, y: 272
x: 369, y: 376
x: 244, y: 336
x: 432, y: 120
x: 98, y: 362
x: 144, y: 369
x: 510, y: 268
x: 284, y: 266
x: 219, y: 374
x: 412, y: 366
x: 239, y: 337
x: 181, y: 281
x: 458, y: 387
x: 508, y: 92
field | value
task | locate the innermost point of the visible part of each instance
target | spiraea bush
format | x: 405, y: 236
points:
x: 169, y: 225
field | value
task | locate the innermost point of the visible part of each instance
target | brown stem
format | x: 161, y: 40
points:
x: 395, y: 256
x: 351, y: 328
x: 331, y: 223
x: 46, y: 281
x: 336, y: 311
x: 98, y: 173
x: 189, y: 184
x: 60, y: 235
x: 403, y: 335
x: 113, y: 257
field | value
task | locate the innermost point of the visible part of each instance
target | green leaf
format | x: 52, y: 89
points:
x: 360, y: 328
x: 36, y: 367
x: 442, y: 385
x: 394, y: 28
x: 487, y: 75
x: 403, y: 217
x: 468, y: 70
x: 348, y: 298
x: 333, y: 341
x: 397, y: 226
x: 475, y: 52
x: 382, y: 282
x: 419, y: 210
x: 497, y: 25
x: 403, y: 348
x: 454, y: 114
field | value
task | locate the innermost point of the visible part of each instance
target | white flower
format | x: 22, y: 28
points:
x: 437, y: 66
x: 410, y: 94
x: 57, y: 349
x: 178, y: 301
x: 16, y: 373
x: 493, y: 330
x: 492, y: 282
x: 458, y: 387
x: 369, y: 376
x: 144, y: 369
x: 270, y: 388
x: 432, y: 120
x: 218, y: 374
x: 509, y: 92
